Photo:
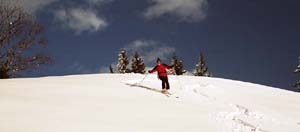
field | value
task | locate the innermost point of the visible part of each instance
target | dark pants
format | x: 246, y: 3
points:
x: 165, y: 82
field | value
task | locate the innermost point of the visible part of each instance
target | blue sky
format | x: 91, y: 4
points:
x: 249, y: 40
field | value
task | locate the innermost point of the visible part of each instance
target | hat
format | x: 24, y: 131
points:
x: 158, y: 59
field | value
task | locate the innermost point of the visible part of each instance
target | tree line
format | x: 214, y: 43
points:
x: 138, y: 66
x: 297, y: 71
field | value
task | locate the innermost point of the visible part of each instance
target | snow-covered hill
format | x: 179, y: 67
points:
x: 105, y: 103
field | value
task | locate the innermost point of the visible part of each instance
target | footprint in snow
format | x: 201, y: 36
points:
x: 203, y: 84
x: 195, y: 91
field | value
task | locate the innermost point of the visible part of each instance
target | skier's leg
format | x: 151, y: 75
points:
x: 167, y: 83
x: 163, y: 83
x: 163, y: 86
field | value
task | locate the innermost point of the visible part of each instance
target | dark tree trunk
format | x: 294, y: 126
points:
x: 111, y: 69
x: 3, y: 73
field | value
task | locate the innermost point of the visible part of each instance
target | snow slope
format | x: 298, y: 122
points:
x: 104, y: 102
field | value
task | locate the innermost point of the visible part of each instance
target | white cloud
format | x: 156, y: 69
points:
x: 137, y: 44
x: 68, y: 13
x: 150, y: 50
x: 78, y: 67
x: 185, y: 10
x: 80, y: 20
x: 30, y: 5
x: 104, y: 69
x: 97, y: 2
x: 82, y: 68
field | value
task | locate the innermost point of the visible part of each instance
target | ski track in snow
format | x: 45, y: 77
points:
x: 196, y: 90
x: 234, y: 121
x: 135, y: 83
x: 239, y: 119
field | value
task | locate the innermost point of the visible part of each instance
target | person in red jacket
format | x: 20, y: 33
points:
x: 160, y: 68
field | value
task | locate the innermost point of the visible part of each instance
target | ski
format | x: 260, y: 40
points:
x: 151, y: 89
x: 171, y: 95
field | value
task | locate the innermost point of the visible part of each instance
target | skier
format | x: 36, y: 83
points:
x: 162, y: 74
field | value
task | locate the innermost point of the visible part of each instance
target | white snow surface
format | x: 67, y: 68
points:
x: 105, y: 103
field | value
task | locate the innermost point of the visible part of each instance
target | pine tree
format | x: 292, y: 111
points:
x: 137, y: 64
x: 177, y: 66
x: 174, y: 61
x: 201, y: 69
x: 297, y: 71
x: 123, y: 62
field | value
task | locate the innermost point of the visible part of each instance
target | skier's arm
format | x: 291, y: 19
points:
x: 153, y: 70
x: 168, y: 67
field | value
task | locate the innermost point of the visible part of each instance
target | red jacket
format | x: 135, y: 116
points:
x: 161, y: 70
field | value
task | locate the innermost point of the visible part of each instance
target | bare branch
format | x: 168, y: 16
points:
x: 20, y: 35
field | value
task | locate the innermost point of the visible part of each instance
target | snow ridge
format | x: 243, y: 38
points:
x: 109, y: 102
x: 238, y: 118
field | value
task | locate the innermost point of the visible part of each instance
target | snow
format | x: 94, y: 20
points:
x: 105, y: 102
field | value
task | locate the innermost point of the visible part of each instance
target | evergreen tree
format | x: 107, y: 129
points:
x: 177, y: 66
x: 201, y: 69
x: 297, y: 71
x: 137, y: 64
x: 123, y: 62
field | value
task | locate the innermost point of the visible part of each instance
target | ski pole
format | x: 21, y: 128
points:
x: 142, y: 79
